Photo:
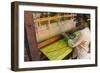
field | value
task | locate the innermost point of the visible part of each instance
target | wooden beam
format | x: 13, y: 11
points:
x: 49, y: 41
x: 51, y: 18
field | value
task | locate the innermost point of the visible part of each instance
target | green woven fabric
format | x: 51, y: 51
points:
x: 57, y: 50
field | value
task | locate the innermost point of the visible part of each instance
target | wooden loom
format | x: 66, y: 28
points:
x: 32, y: 48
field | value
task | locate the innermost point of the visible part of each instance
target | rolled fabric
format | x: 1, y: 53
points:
x: 75, y: 36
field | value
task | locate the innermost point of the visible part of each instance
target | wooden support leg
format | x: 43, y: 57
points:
x: 31, y: 36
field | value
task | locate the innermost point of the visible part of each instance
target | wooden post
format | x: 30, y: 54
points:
x: 31, y: 36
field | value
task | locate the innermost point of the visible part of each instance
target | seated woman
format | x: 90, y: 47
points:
x: 81, y: 46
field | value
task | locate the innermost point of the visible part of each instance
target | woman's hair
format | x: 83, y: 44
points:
x: 82, y: 21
